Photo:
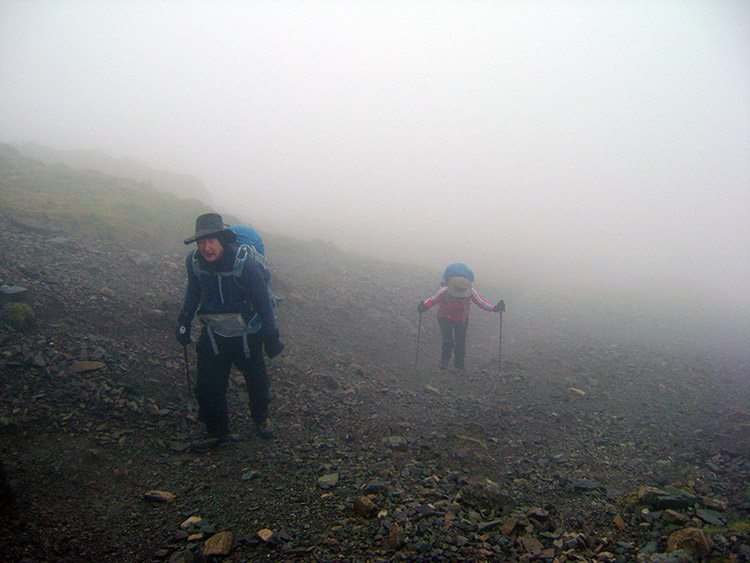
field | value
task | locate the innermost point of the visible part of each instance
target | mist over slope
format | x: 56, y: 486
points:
x: 659, y: 309
x: 673, y: 314
x: 573, y: 425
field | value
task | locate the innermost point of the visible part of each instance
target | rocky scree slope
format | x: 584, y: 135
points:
x: 578, y: 450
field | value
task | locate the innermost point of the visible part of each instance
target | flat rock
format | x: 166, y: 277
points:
x: 159, y: 496
x: 84, y: 366
x: 13, y: 292
x: 397, y: 443
x: 328, y: 481
x: 219, y: 544
x: 266, y: 535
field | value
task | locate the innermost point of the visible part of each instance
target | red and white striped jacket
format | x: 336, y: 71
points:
x: 456, y: 309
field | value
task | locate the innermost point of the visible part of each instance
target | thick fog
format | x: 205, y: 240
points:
x: 590, y: 148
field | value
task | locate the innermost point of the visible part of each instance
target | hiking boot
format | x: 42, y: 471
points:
x: 263, y: 429
x: 208, y: 443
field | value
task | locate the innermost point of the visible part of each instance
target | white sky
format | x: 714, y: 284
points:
x: 585, y: 142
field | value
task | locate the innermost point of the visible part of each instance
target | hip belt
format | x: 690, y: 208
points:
x: 229, y: 325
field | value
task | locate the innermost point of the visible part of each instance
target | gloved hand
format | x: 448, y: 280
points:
x: 182, y: 334
x: 500, y: 307
x: 422, y: 307
x: 272, y: 344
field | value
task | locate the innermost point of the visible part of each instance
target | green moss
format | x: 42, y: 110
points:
x: 19, y: 315
x: 629, y: 502
x: 741, y: 527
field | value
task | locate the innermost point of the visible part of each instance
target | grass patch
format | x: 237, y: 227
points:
x: 112, y: 209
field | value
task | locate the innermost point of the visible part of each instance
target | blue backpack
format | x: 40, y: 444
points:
x: 458, y: 269
x: 250, y: 237
x: 250, y: 244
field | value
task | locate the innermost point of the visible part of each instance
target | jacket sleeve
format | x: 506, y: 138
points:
x: 257, y: 294
x: 192, y: 293
x: 436, y: 298
x: 481, y: 302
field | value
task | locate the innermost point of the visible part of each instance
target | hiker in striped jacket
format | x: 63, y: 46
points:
x: 454, y: 299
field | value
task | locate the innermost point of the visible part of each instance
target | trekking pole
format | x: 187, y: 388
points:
x: 187, y: 371
x: 419, y: 332
x: 500, y: 343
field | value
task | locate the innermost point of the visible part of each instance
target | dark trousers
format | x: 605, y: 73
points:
x: 454, y: 336
x: 213, y: 378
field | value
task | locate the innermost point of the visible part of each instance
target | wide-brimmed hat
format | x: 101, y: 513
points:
x: 459, y: 287
x: 211, y: 225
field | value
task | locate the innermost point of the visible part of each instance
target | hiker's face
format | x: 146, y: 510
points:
x: 210, y: 249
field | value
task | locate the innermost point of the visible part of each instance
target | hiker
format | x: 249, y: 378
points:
x: 228, y: 291
x: 454, y: 299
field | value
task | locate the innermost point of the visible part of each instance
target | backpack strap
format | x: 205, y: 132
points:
x: 245, y: 251
x: 258, y: 257
x: 240, y: 259
x: 197, y: 270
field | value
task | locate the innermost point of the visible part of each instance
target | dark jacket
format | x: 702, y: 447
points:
x: 216, y: 289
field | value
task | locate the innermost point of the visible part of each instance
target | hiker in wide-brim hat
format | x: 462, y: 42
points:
x: 228, y: 292
x: 211, y: 225
x: 454, y: 299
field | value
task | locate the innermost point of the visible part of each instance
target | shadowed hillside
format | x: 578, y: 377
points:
x: 581, y: 448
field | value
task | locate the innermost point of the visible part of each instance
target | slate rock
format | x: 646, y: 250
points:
x: 82, y: 366
x: 710, y: 517
x: 365, y: 507
x: 648, y: 495
x: 585, y: 486
x: 398, y: 443
x: 375, y: 487
x: 328, y: 481
x: 326, y: 381
x: 483, y: 495
x: 531, y: 544
x: 12, y: 292
x: 266, y: 535
x: 692, y: 540
x: 250, y: 475
x: 159, y: 496
x: 182, y: 556
x: 674, y: 517
x: 489, y: 526
x: 219, y: 544
x: 191, y: 523
x: 674, y: 557
x: 139, y: 258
